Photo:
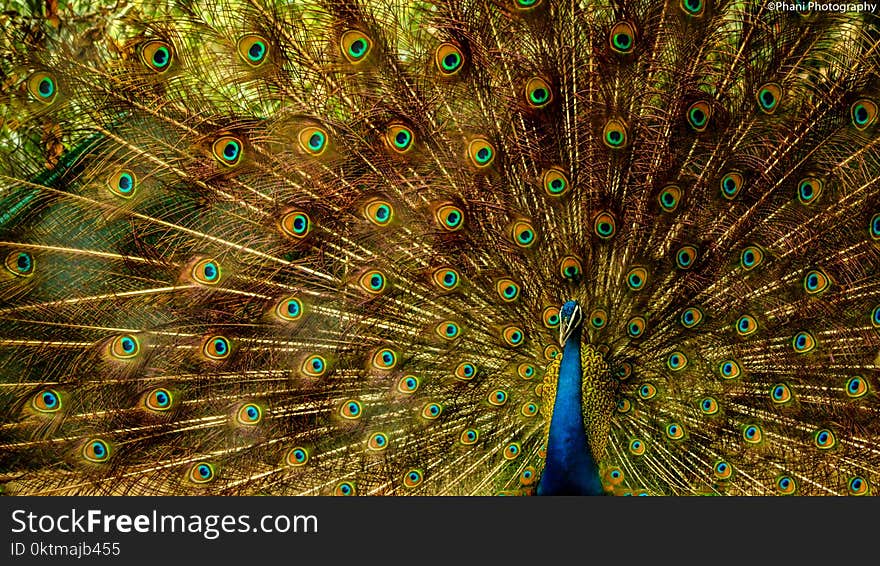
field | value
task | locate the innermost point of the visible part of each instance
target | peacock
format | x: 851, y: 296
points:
x: 439, y: 247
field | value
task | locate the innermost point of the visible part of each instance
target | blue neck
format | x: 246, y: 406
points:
x: 570, y: 468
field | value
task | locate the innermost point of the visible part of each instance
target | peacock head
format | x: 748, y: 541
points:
x: 570, y: 319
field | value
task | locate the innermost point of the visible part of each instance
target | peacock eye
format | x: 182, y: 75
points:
x: 46, y: 401
x: 816, y: 281
x: 157, y: 55
x: 355, y: 46
x: 526, y: 5
x: 709, y: 406
x: 497, y: 397
x: 448, y: 330
x: 722, y: 470
x: 507, y: 289
x: 432, y: 411
x: 384, y: 359
x: 526, y: 371
x: 555, y: 182
x: 615, y: 134
x: 513, y: 336
x: 570, y: 268
x: 550, y: 317
x: 604, y: 225
x: 345, y: 489
x: 373, y: 282
x: 253, y: 50
x: 622, y: 38
x: 206, y: 272
x: 863, y: 113
x: 636, y: 447
x: 412, y: 478
x: 481, y: 153
x: 647, y: 391
x: 781, y: 393
x: 529, y: 410
x: 698, y: 115
x: 512, y: 451
x: 669, y: 198
x: 96, y: 450
x: 124, y: 347
x: 289, y: 309
x: 729, y: 369
x: 598, y: 318
x: 803, y: 342
x: 351, y: 409
x: 538, y: 93
x: 674, y: 431
x: 635, y: 327
x: 856, y: 387
x: 159, y: 400
x: 685, y: 257
x: 122, y: 183
x: 313, y: 140
x: 19, y: 263
x: 824, y: 439
x: 522, y: 233
x: 449, y: 217
x: 297, y: 457
x: 693, y: 8
x: 746, y: 325
x: 636, y: 278
x: 768, y: 97
x: 786, y: 485
x: 751, y: 257
x: 379, y: 211
x: 314, y: 366
x: 400, y: 138
x: 528, y: 476
x: 676, y: 361
x: 227, y: 150
x: 408, y: 384
x: 624, y: 371
x: 469, y: 437
x: 42, y: 87
x: 731, y: 185
x: 378, y: 441
x: 216, y: 348
x: 201, y: 473
x: 624, y: 406
x: 691, y: 317
x: 753, y: 434
x: 465, y: 371
x: 809, y: 190
x: 858, y: 486
x: 296, y: 224
x: 249, y: 414
x: 449, y: 59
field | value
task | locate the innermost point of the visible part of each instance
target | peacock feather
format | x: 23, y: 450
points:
x: 439, y: 247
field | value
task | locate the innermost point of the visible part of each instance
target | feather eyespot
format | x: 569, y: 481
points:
x: 722, y: 470
x: 448, y: 330
x: 513, y: 336
x: 816, y: 281
x: 538, y: 93
x: 159, y: 400
x: 875, y: 317
x: 555, y: 182
x: 863, y: 113
x: 746, y: 325
x: 297, y: 457
x: 570, y: 268
x: 432, y: 411
x: 751, y: 257
x: 345, y: 489
x: 685, y: 257
x: 529, y: 409
x: 604, y: 225
x: 399, y: 138
x: 528, y: 476
x: 858, y: 486
x: 768, y: 97
x: 216, y: 348
x: 781, y: 394
x: 753, y: 434
x: 598, y: 319
x: 526, y: 371
x: 465, y: 371
x: 202, y: 473
x: 693, y: 8
x: 122, y: 183
x: 449, y: 59
x: 449, y: 217
x: 46, y: 401
x: 824, y: 439
x: 857, y: 387
x: 249, y: 414
x: 635, y: 327
x: 551, y: 352
x: 206, y: 272
x: 624, y: 371
x: 379, y: 211
x: 19, y: 263
x: 469, y: 437
x: 96, y: 450
x: 526, y: 5
x: 729, y: 369
x: 636, y: 278
x: 622, y: 38
x: 674, y: 431
x: 550, y: 317
x: 157, y: 55
x: 408, y: 384
x: 624, y: 406
x: 42, y: 87
x: 498, y: 398
x: 676, y: 361
x: 636, y: 447
x: 447, y: 278
x: 786, y: 485
x: 351, y: 409
x: 709, y: 406
x: 413, y: 478
x: 803, y: 342
x: 512, y: 451
x: 698, y: 114
x: 613, y: 476
x: 289, y: 309
x: 809, y: 190
x: 874, y: 227
x: 481, y: 153
x: 314, y: 366
x: 731, y: 185
x: 377, y: 442
x: 615, y: 134
x: 384, y: 359
x: 124, y: 347
x: 522, y: 234
x: 647, y: 391
x: 253, y: 50
x: 355, y: 46
x: 373, y: 282
x: 313, y: 140
x: 670, y: 197
x: 296, y: 224
x: 691, y: 317
x: 507, y: 289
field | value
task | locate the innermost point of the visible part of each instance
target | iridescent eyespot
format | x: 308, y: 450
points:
x: 379, y: 211
x: 399, y: 138
x: 691, y: 317
x: 622, y: 37
x: 529, y: 409
x: 809, y: 190
x: 297, y: 457
x: 449, y: 217
x: 614, y: 476
x: 636, y: 447
x: 624, y: 406
x: 803, y: 342
x: 570, y: 268
x: 693, y: 8
x: 124, y: 347
x: 555, y: 182
x: 863, y: 113
x: 314, y: 366
x: 122, y: 183
x: 351, y: 409
x: 96, y: 450
x: 159, y: 400
x: 874, y: 228
x: 604, y: 225
x: 526, y: 371
x: 253, y: 49
x: 481, y: 153
x: 538, y: 93
x: 522, y: 234
x: 698, y: 115
x: 512, y: 451
x: 46, y: 401
x: 289, y: 309
x: 780, y: 393
x: 355, y: 45
x: 448, y: 330
x: 469, y: 436
x: 513, y: 336
x: 685, y: 257
x: 528, y: 476
x: 816, y: 281
x: 216, y: 348
x: 384, y: 359
x: 465, y: 371
x: 615, y: 134
x: 507, y: 289
x: 752, y: 434
x: 447, y: 278
x: 551, y: 352
x: 746, y: 325
x: 768, y: 97
x: 676, y: 361
x: 709, y: 406
x: 636, y: 278
x: 378, y: 441
x: 550, y: 317
x: 786, y: 485
x: 373, y: 282
x: 206, y: 272
x: 408, y: 384
x: 526, y: 5
x: 598, y: 318
x: 412, y: 478
x: 824, y: 439
x: 624, y: 371
x: 875, y: 317
x: 432, y: 411
x: 296, y: 224
x: 313, y: 140
x: 858, y: 486
x: 42, y: 87
x: 19, y: 263
x: 201, y: 472
x: 497, y: 397
x: 857, y: 387
x: 751, y: 257
x: 670, y: 197
x: 722, y: 470
x: 674, y: 431
x: 449, y: 59
x: 732, y: 184
x: 249, y: 414
x: 157, y: 55
x: 345, y: 489
x: 729, y: 369
x: 647, y: 391
x: 635, y: 326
